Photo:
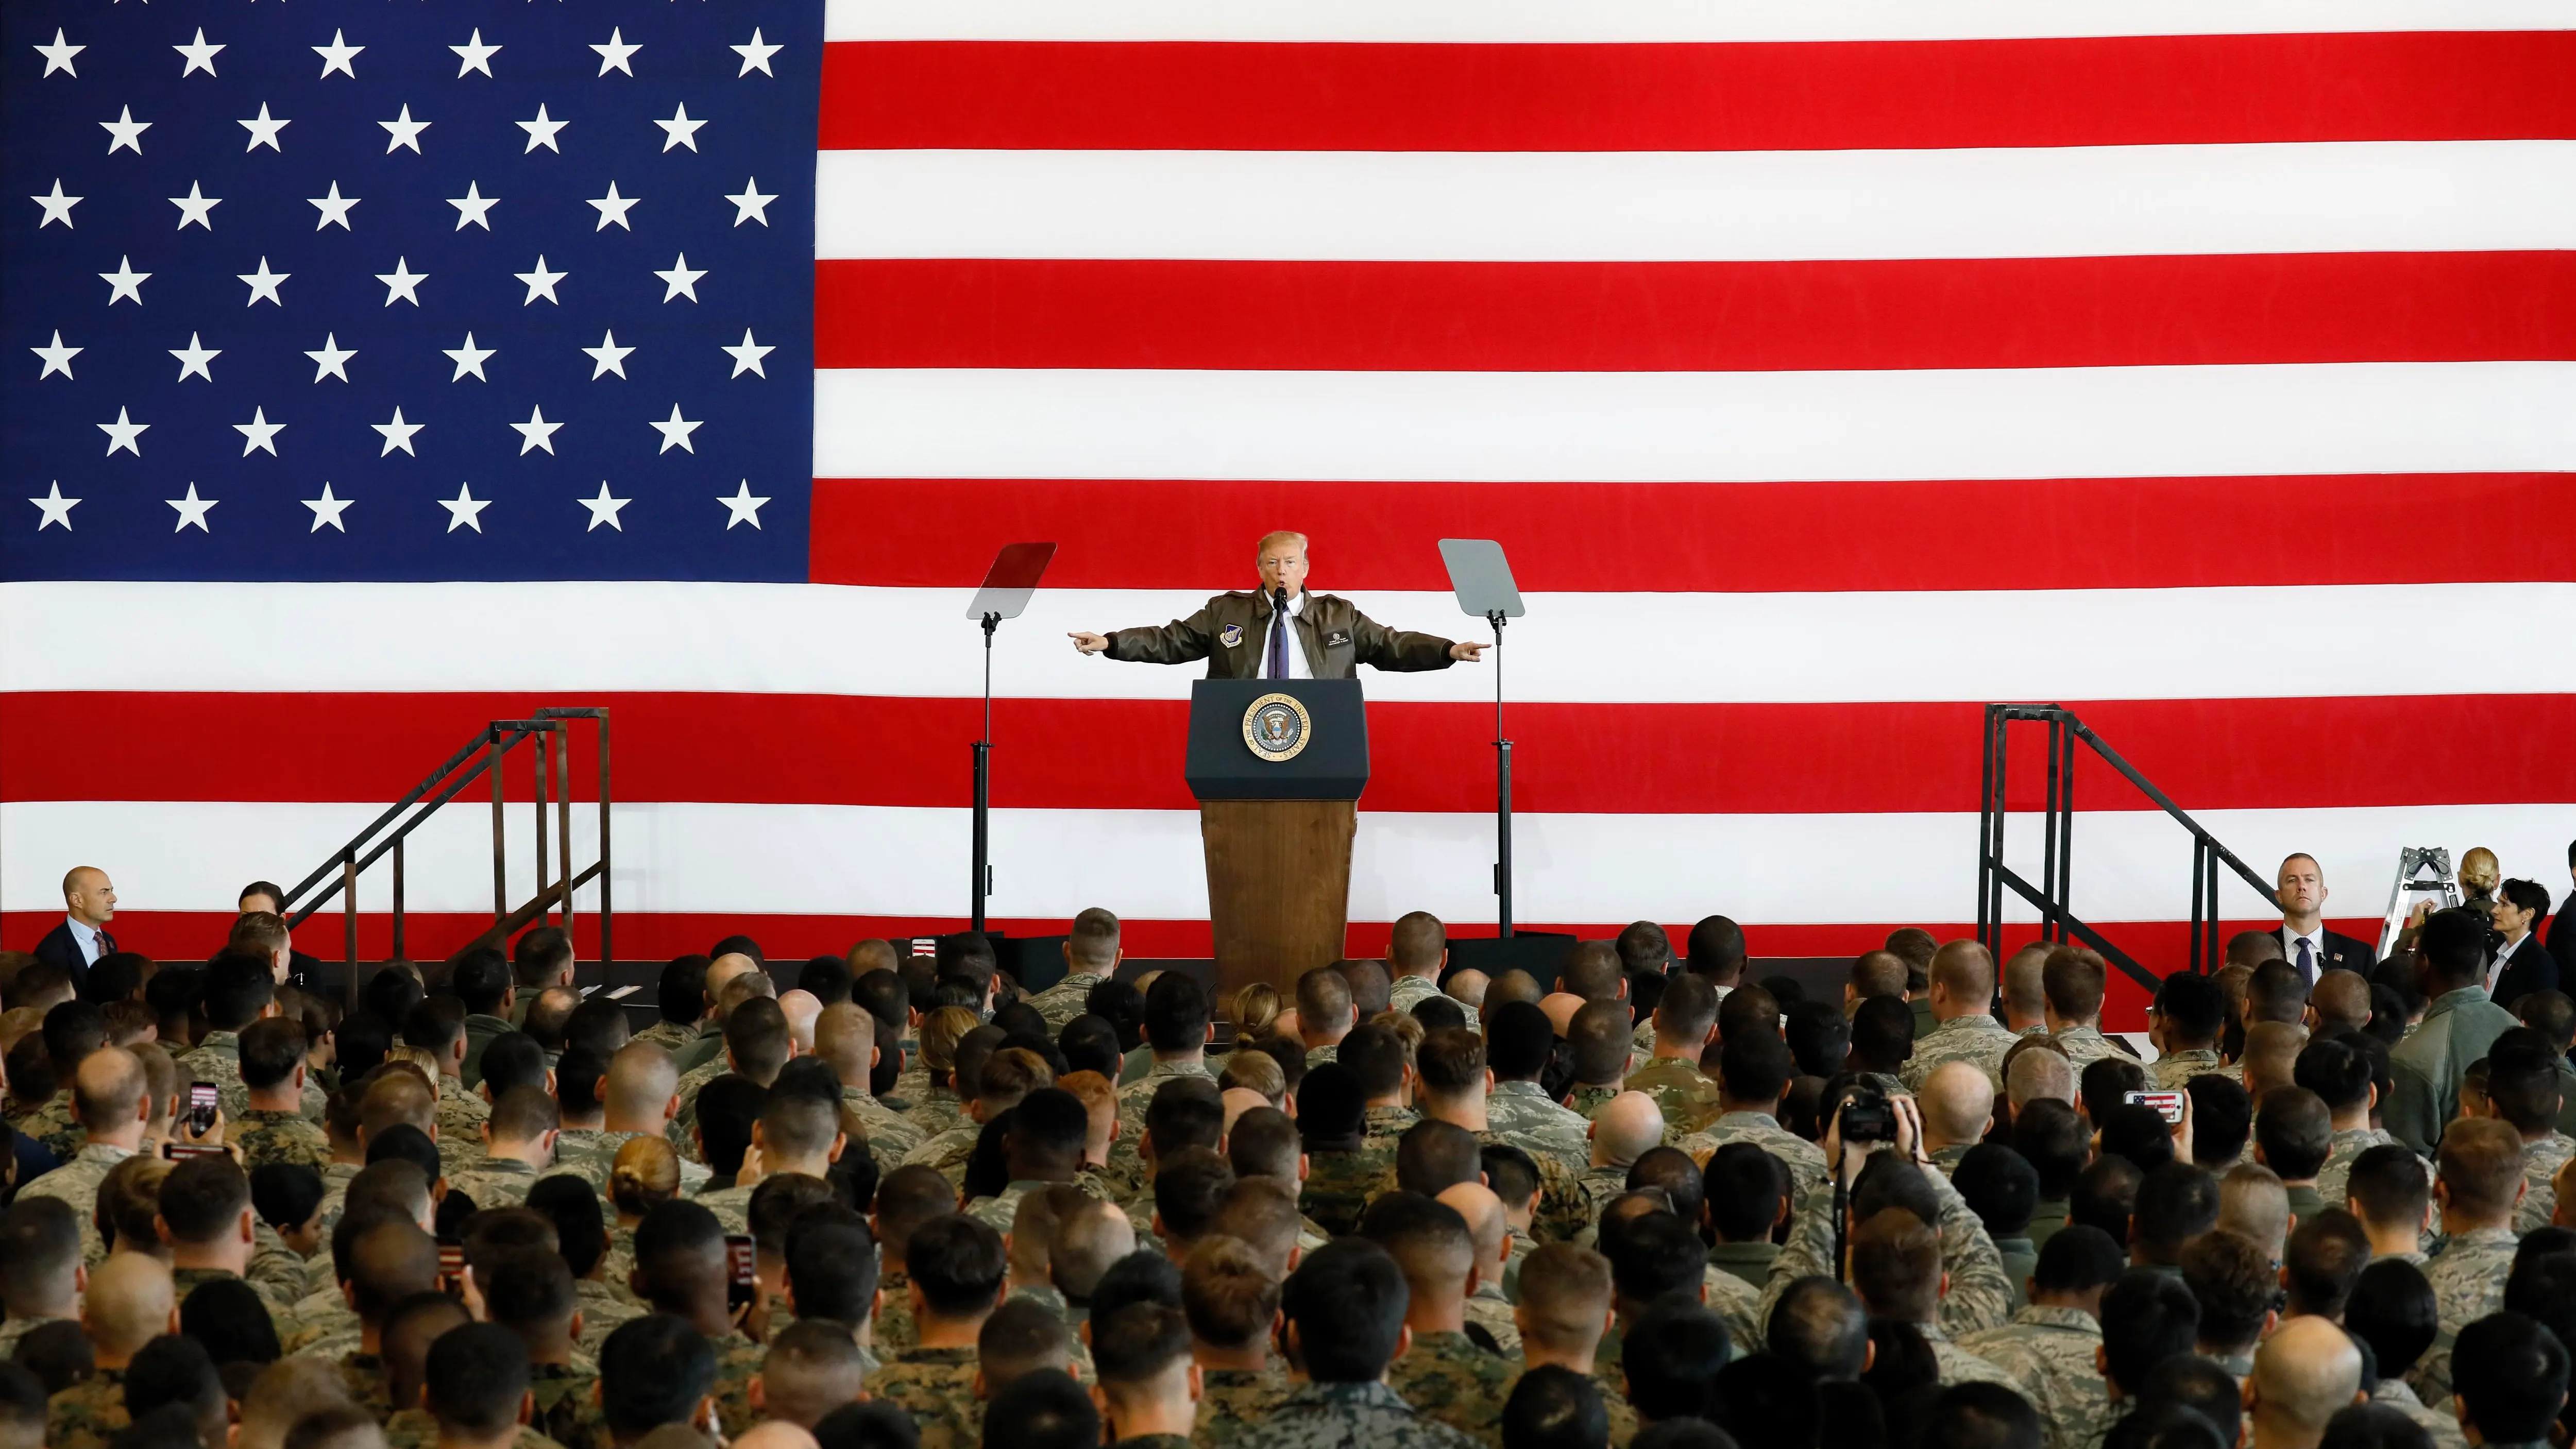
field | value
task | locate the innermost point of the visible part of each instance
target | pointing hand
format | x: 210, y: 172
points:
x: 1085, y: 642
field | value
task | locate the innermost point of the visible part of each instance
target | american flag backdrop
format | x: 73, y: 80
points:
x: 1827, y: 370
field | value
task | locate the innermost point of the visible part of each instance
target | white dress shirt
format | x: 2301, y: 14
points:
x: 2503, y: 956
x: 1298, y: 666
x: 2316, y: 940
x: 85, y: 936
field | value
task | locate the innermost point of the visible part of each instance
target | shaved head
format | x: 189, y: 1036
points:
x: 1470, y: 986
x: 1627, y: 1127
x: 801, y: 1009
x: 2271, y: 1055
x: 641, y: 1079
x: 725, y: 970
x: 2341, y: 998
x: 108, y: 1089
x: 1958, y: 1102
x: 129, y: 1303
x: 845, y: 1035
x: 2039, y: 1073
x: 2303, y: 1373
x: 1560, y: 1007
x: 1485, y: 1220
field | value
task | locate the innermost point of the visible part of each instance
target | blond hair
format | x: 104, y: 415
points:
x: 644, y: 1175
x: 1253, y: 1009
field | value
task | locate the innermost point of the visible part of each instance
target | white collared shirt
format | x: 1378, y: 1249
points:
x: 2316, y: 940
x: 1298, y: 666
x: 2504, y: 953
x: 85, y: 936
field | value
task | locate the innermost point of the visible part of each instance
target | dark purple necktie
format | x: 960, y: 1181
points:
x: 2307, y: 962
x: 1278, y: 643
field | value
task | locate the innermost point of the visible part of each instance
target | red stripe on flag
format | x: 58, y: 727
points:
x: 1697, y: 316
x: 1569, y: 758
x: 1689, y: 97
x: 1734, y: 537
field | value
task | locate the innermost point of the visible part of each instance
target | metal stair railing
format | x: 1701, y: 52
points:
x: 548, y: 734
x: 2052, y: 895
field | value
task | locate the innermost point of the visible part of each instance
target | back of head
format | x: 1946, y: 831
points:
x: 1428, y: 1239
x: 128, y: 1303
x: 2294, y: 1131
x: 653, y: 1370
x: 832, y: 1272
x: 2193, y: 1008
x: 1189, y: 1188
x: 2077, y: 1260
x: 756, y: 1038
x: 1820, y: 1328
x: 2522, y: 1080
x: 812, y: 1368
x: 2037, y: 1069
x: 2392, y: 1308
x: 679, y: 1250
x: 2233, y: 1280
x: 1552, y: 1407
x: 2175, y: 1203
x: 1592, y: 970
x: 229, y: 1317
x: 2276, y: 992
x: 176, y: 1370
x: 2105, y: 1085
x: 1878, y: 973
x: 2511, y: 1377
x: 2104, y: 1195
x: 1896, y: 1266
x: 1671, y: 1358
x: 2147, y: 1317
x: 2324, y: 1259
x: 1600, y: 1035
x: 344, y: 1427
x: 1042, y: 1410
x: 2000, y: 1187
x: 1228, y: 1292
x: 1177, y: 1013
x: 40, y: 1250
x: 2480, y: 1163
x: 958, y: 1264
x: 1652, y: 1254
x: 1882, y: 1034
x: 1023, y: 1336
x: 2222, y: 1119
x: 477, y: 1375
x: 1323, y: 1001
x: 1981, y: 1416
x: 2073, y: 979
x: 286, y: 1393
x: 2048, y: 1135
x: 1433, y: 1156
x: 2306, y: 1371
x: 2201, y: 1385
x: 1346, y: 1306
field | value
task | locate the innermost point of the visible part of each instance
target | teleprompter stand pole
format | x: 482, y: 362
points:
x: 1007, y: 586
x: 1502, y: 783
x: 1482, y: 579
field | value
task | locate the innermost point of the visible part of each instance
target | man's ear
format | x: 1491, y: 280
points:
x: 758, y: 1393
x: 527, y: 1405
x: 1301, y: 1167
x: 248, y: 1233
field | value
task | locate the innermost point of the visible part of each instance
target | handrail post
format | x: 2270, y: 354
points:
x: 561, y: 745
x: 607, y: 911
x: 398, y: 899
x: 1989, y: 932
x: 2065, y: 885
x: 349, y: 909
x: 2048, y: 857
x: 500, y: 876
x: 537, y: 802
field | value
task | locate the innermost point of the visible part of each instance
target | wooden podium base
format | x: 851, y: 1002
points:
x: 1279, y: 887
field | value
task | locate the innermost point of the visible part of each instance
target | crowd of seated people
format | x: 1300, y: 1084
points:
x: 897, y: 1201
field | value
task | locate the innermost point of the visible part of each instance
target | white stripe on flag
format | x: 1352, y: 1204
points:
x: 1699, y: 206
x: 2099, y: 644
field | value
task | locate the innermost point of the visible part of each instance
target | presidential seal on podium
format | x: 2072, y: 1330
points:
x: 1277, y: 726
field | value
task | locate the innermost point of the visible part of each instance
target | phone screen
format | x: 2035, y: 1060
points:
x: 743, y: 1265
x: 451, y: 1270
x: 201, y: 1108
x: 2168, y: 1105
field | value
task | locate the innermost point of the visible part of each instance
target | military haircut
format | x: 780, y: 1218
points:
x: 1330, y: 1105
x: 2078, y: 1259
x: 1653, y: 1254
x: 203, y: 1198
x: 513, y: 1060
x: 239, y: 987
x: 727, y: 1106
x: 2104, y: 1195
x: 405, y: 1143
x: 1264, y: 1144
x: 2137, y: 1132
x: 1688, y: 1008
x: 1009, y: 1073
x: 2323, y: 1260
x: 271, y: 1049
x: 2392, y: 1308
x: 756, y: 1037
x: 957, y: 1263
x: 173, y: 1369
x: 2276, y: 992
x: 72, y: 1030
x: 480, y: 978
x: 524, y: 1114
x: 1509, y: 1171
x: 2051, y: 1138
x: 1346, y: 1303
x: 1184, y: 1112
x: 2295, y: 1132
x: 1323, y: 999
x: 477, y: 1375
x: 1376, y: 1056
x: 2202, y: 1386
x: 1672, y: 1355
x: 1262, y: 1213
x: 1451, y: 1061
x: 2222, y: 1119
x: 1882, y: 1033
x: 2522, y: 1080
x: 2336, y: 1070
x: 1820, y: 1326
x: 1743, y: 1186
x: 2511, y: 1377
x: 1189, y: 1187
x: 1553, y: 1407
x: 495, y: 1231
x: 653, y: 1370
x: 2480, y: 1160
x: 1416, y: 942
x: 1433, y: 1156
x: 2194, y: 1008
x: 108, y: 1089
x: 2147, y: 1317
x: 677, y: 1247
x: 2233, y: 1280
x: 911, y: 1198
x: 1896, y: 1266
x: 681, y: 993
x: 1877, y: 973
x: 1519, y: 1042
x: 1592, y: 970
x: 1887, y: 1180
x: 2175, y: 1203
x: 1600, y: 1034
x: 1229, y: 1293
x: 832, y: 1274
x: 1754, y: 1067
x: 1428, y: 1238
x: 40, y: 1246
x: 2551, y: 1013
x: 1177, y: 1013
x: 1042, y: 1410
x: 22, y: 1408
x: 1022, y: 1336
x: 2073, y: 981
x: 1818, y: 1037
x: 436, y: 1025
x: 388, y: 1262
x: 57, y: 1353
x: 2000, y: 1187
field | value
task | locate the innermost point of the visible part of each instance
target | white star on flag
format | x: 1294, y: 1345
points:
x: 469, y: 359
x: 742, y: 507
x: 194, y: 357
x: 58, y: 56
x: 747, y: 355
x: 403, y: 131
x: 536, y: 432
x: 464, y: 510
x: 750, y: 204
x: 615, y: 53
x: 675, y: 431
x: 334, y: 208
x: 680, y: 130
x: 263, y: 283
x: 57, y: 508
x: 402, y: 282
x: 603, y: 509
x: 681, y: 280
x: 755, y: 56
x: 199, y: 55
x: 125, y: 283
x: 608, y: 355
x: 327, y: 510
x: 397, y: 434
x: 333, y: 359
x: 58, y: 207
x: 263, y: 131
x: 192, y: 511
x: 259, y: 433
x: 613, y: 208
x: 541, y: 283
x: 541, y: 131
x: 473, y: 208
x: 195, y: 207
x: 125, y: 133
x: 474, y: 55
x: 58, y: 358
x: 124, y: 433
x: 337, y: 55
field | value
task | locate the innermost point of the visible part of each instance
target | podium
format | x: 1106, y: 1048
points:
x: 1278, y: 766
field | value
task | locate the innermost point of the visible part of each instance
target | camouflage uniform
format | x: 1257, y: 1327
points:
x: 1339, y: 1185
x: 2445, y: 1428
x: 1317, y: 1056
x: 1945, y: 1160
x: 2468, y: 1284
x: 671, y: 1036
x: 2048, y: 1353
x: 1535, y: 1123
x: 1237, y: 1401
x: 690, y: 1084
x: 1388, y: 1124
x: 2169, y: 1072
x: 948, y: 1152
x: 498, y: 1182
x: 461, y: 1116
x: 1064, y: 1001
x: 2086, y: 1045
x: 890, y: 1133
x: 598, y: 1157
x: 276, y: 1275
x: 731, y: 1205
x: 1596, y: 1189
x: 1490, y: 1309
x: 415, y: 1429
x: 935, y: 1109
x: 52, y: 1124
x: 1134, y: 1098
x: 602, y: 1311
x: 76, y: 1183
x: 738, y: 1361
x: 2540, y: 1163
x: 1583, y: 1101
x: 1745, y: 1262
x: 2349, y: 1144
x: 997, y: 1212
x: 1448, y: 1378
x: 1408, y: 992
x: 1739, y: 1303
x: 1334, y: 1416
x: 1684, y: 1094
x: 363, y: 1374
x: 89, y: 1413
x: 1958, y: 1365
x: 1978, y: 1297
x: 937, y: 1387
x: 1804, y: 1159
x: 1979, y: 1040
x: 895, y: 1330
x: 266, y: 1137
x: 216, y: 1058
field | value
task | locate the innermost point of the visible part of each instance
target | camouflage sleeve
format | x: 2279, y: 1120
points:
x: 276, y: 1270
x: 1562, y: 1208
x: 1980, y: 1294
x: 1810, y: 1250
x: 1177, y: 642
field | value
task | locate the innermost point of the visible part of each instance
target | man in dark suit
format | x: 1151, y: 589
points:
x: 89, y: 902
x: 1250, y: 636
x: 2522, y: 965
x: 2562, y: 927
x: 2305, y: 942
x: 262, y: 895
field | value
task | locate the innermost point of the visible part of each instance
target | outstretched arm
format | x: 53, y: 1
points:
x: 1178, y: 642
x: 1396, y: 649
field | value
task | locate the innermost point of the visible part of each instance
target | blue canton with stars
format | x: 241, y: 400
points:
x: 442, y: 290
